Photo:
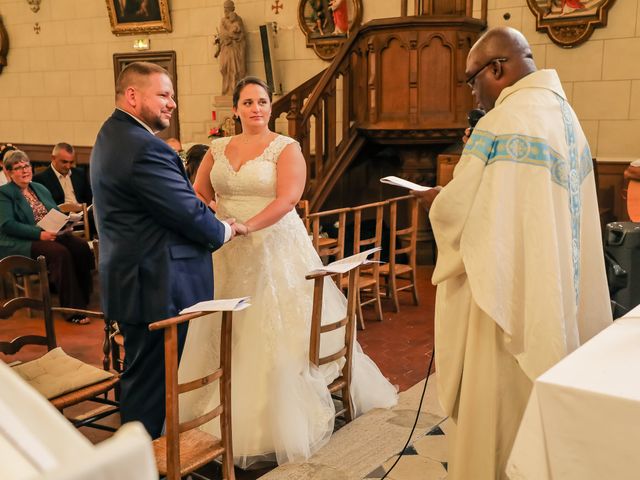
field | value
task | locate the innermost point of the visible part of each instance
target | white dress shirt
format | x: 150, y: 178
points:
x: 67, y: 186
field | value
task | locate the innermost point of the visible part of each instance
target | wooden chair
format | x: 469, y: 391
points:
x: 329, y: 246
x: 392, y: 272
x: 303, y: 211
x: 343, y: 382
x: 369, y: 282
x: 95, y: 246
x: 99, y: 382
x: 81, y: 229
x: 23, y: 283
x: 113, y: 350
x: 184, y: 448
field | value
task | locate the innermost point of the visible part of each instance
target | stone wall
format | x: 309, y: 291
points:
x: 58, y: 84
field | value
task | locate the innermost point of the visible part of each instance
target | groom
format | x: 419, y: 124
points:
x: 156, y: 236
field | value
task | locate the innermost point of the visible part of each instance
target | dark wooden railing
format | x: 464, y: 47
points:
x: 393, y: 81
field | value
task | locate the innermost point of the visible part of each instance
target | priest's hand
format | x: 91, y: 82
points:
x: 426, y: 198
x: 467, y: 134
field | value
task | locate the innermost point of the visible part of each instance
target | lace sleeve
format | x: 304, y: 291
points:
x: 275, y: 149
x: 218, y: 145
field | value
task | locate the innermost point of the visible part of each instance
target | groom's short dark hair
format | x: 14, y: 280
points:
x: 131, y: 74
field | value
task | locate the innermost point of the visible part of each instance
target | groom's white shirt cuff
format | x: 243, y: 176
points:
x: 227, y: 231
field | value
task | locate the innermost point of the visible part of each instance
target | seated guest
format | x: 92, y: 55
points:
x: 66, y: 184
x: 175, y: 144
x: 23, y: 204
x: 194, y: 157
x: 4, y: 175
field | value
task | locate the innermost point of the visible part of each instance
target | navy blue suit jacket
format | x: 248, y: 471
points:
x: 155, y: 234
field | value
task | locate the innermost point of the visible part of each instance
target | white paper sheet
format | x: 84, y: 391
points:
x: 222, y: 305
x: 53, y: 221
x: 346, y: 264
x: 401, y: 182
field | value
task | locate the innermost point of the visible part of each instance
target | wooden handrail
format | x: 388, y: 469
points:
x: 331, y: 114
x: 319, y: 90
x: 283, y: 104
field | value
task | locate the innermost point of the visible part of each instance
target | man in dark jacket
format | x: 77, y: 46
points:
x: 156, y: 236
x: 66, y: 184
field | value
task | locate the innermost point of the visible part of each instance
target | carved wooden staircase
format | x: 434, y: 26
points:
x: 394, y: 81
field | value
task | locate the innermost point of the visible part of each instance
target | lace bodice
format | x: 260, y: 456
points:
x: 244, y: 193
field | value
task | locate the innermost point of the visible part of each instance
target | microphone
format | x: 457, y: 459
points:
x: 474, y: 117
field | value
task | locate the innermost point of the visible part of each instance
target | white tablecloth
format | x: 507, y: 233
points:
x: 583, y: 417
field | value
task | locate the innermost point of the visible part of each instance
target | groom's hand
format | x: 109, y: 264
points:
x: 240, y: 229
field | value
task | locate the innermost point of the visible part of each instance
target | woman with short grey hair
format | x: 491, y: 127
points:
x: 23, y: 204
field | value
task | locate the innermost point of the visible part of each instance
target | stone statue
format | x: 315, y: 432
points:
x: 231, y: 48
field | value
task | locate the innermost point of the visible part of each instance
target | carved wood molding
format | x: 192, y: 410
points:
x: 567, y: 26
x: 395, y: 137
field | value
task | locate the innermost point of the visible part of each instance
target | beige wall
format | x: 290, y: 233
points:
x: 59, y: 83
x: 601, y: 78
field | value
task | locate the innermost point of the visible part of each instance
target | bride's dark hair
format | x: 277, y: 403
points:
x: 249, y: 81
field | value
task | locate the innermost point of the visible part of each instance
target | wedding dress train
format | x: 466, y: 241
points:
x: 281, y: 408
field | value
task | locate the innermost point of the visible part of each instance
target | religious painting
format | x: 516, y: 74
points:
x: 139, y: 16
x: 327, y: 23
x: 570, y: 22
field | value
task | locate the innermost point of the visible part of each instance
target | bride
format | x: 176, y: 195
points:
x: 281, y: 408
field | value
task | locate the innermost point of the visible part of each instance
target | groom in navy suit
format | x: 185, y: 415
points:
x: 156, y: 236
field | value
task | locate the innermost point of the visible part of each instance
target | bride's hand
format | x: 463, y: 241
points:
x: 240, y: 229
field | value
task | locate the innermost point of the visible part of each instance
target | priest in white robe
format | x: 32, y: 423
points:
x: 520, y: 271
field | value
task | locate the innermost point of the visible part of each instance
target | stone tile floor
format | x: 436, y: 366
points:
x: 424, y: 459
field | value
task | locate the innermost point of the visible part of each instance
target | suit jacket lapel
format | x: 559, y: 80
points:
x: 59, y: 192
x: 76, y: 182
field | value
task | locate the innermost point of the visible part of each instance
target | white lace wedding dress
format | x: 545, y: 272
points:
x: 281, y: 408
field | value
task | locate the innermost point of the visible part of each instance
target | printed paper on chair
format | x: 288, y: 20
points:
x: 222, y: 305
x: 346, y: 264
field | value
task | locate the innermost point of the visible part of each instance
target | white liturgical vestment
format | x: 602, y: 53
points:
x: 520, y: 271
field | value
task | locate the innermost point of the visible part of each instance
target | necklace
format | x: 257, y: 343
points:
x: 252, y: 138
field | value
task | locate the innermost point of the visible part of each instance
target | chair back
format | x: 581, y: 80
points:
x: 81, y: 229
x: 369, y: 283
x: 303, y: 211
x: 363, y: 240
x: 343, y: 382
x: 329, y: 246
x: 78, y: 384
x: 24, y: 266
x: 409, y: 231
x: 184, y: 448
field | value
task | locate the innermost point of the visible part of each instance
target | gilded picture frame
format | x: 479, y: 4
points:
x: 570, y: 22
x: 326, y: 24
x: 130, y: 17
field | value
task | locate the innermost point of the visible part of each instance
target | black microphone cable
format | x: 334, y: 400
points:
x: 424, y: 389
